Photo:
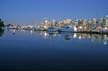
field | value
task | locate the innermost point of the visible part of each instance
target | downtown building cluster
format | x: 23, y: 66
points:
x: 92, y: 24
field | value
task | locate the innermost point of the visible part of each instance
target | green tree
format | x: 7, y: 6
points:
x: 1, y: 32
x: 1, y: 23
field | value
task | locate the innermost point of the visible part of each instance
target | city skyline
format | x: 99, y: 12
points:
x: 33, y: 11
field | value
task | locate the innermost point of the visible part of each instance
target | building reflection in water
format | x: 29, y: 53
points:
x: 99, y: 37
x: 75, y: 35
x: 31, y: 31
x: 44, y: 34
x: 48, y: 35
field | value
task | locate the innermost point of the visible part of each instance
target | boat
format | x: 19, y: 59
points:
x: 27, y: 27
x: 52, y: 29
x: 66, y: 29
x: 13, y: 27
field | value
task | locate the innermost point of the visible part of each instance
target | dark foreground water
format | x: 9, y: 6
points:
x: 28, y: 50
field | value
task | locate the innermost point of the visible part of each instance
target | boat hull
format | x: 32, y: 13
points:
x: 65, y: 30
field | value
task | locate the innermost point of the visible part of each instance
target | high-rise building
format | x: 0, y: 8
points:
x: 94, y: 21
x: 85, y: 22
x: 46, y: 21
x: 67, y: 21
x: 54, y: 22
x: 100, y: 22
x: 106, y: 20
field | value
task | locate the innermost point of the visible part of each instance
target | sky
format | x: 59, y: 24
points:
x: 34, y: 11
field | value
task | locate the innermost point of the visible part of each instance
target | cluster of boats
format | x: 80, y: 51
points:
x: 67, y: 28
x: 61, y: 29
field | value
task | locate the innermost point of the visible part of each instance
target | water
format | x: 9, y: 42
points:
x: 42, y: 51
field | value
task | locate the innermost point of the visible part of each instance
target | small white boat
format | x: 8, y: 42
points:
x: 13, y: 27
x: 27, y: 27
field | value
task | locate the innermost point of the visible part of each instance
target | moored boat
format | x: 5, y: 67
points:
x: 52, y: 29
x: 66, y: 29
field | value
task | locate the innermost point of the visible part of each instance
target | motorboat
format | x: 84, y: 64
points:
x: 66, y: 29
x: 52, y: 29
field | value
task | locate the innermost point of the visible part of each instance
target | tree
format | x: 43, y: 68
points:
x: 1, y: 23
x: 1, y: 32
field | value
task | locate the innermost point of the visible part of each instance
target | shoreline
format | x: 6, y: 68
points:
x: 91, y: 32
x: 87, y: 32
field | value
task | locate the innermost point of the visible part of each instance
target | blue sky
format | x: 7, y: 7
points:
x: 32, y: 11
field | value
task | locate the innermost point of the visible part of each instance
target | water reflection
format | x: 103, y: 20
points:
x: 80, y: 36
x: 93, y: 37
x: 66, y: 36
x: 13, y: 31
x: 48, y: 35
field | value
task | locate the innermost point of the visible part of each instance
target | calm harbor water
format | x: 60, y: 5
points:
x: 41, y: 50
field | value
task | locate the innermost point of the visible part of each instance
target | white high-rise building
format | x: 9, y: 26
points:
x: 46, y: 21
x: 94, y: 21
